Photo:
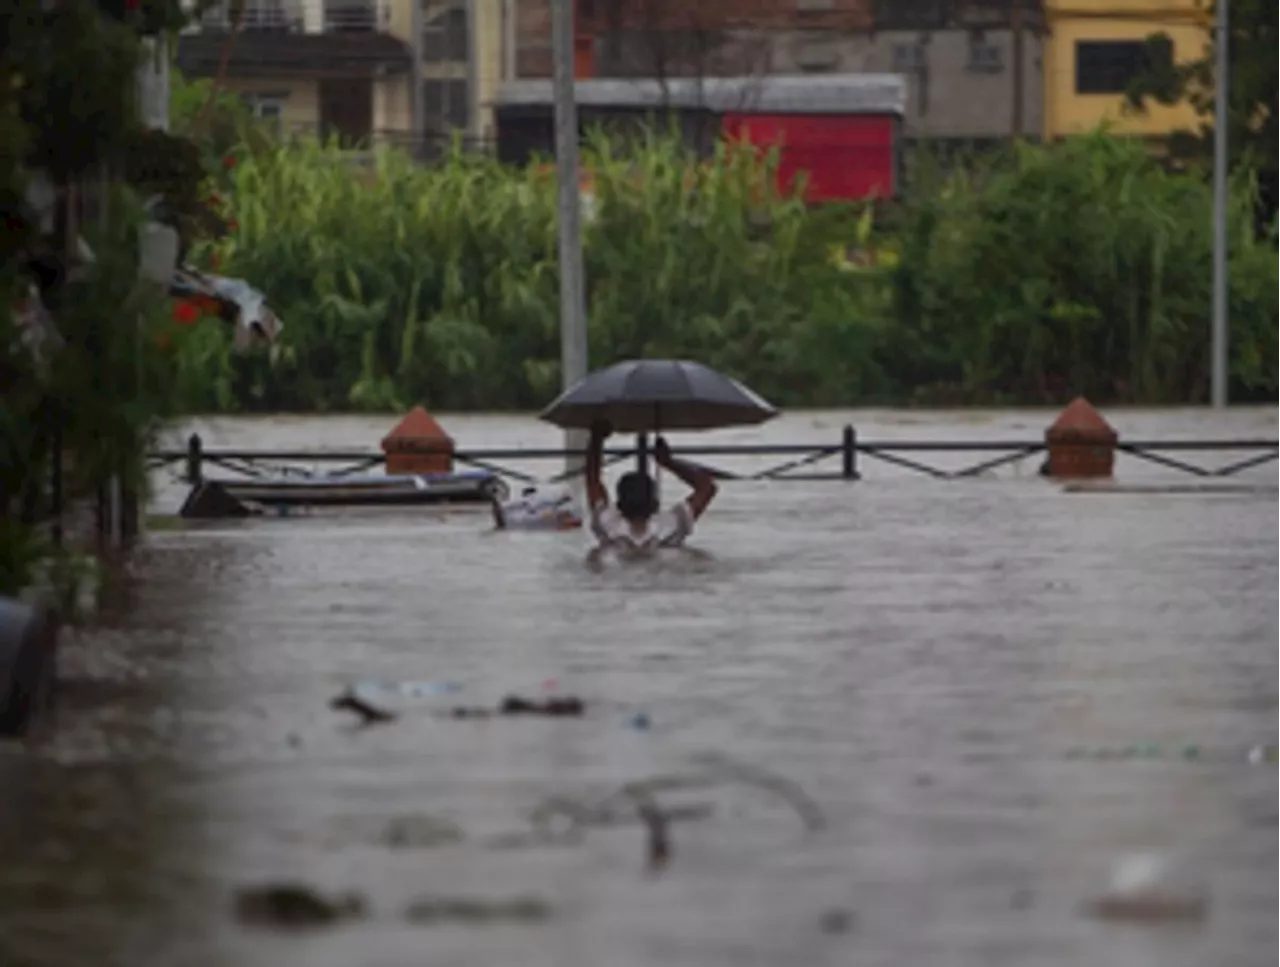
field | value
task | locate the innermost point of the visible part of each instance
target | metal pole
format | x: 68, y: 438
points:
x: 418, y: 135
x: 1218, y: 386
x: 1018, y: 55
x: 474, y: 100
x: 573, y: 316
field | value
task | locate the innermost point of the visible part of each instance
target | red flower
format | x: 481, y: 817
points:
x: 186, y: 313
x: 229, y: 161
x: 232, y: 225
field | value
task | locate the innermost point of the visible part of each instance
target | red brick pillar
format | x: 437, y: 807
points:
x: 1080, y: 442
x: 418, y: 444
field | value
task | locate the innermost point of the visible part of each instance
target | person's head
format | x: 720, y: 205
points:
x: 636, y: 496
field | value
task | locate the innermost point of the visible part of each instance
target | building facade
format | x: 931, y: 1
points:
x: 1096, y: 48
x: 973, y: 67
x: 411, y: 72
x: 332, y: 67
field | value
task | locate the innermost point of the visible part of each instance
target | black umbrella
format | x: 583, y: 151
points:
x: 651, y: 395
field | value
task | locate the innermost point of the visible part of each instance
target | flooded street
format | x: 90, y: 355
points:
x: 925, y: 659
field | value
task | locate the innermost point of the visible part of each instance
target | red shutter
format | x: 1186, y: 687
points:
x: 847, y: 157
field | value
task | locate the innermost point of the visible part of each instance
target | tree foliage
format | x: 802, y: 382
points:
x: 81, y: 361
x: 1251, y: 102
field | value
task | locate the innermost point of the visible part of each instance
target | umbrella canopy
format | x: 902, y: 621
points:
x: 651, y: 395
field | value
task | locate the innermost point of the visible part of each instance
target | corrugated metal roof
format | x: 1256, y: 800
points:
x: 802, y: 94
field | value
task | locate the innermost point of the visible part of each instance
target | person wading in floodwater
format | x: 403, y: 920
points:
x: 636, y: 525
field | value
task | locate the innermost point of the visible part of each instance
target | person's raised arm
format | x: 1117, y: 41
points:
x: 597, y: 496
x: 699, y: 479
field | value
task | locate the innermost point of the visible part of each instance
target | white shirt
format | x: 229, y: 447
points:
x: 666, y: 528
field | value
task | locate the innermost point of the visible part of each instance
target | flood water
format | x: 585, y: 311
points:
x: 922, y: 658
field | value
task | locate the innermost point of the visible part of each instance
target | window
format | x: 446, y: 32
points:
x: 268, y: 108
x: 445, y: 103
x: 269, y: 15
x: 912, y: 14
x: 908, y: 58
x: 350, y: 16
x: 1109, y: 66
x: 444, y: 32
x: 984, y: 56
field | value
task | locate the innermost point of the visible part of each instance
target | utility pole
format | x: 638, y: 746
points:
x: 1218, y: 385
x: 473, y: 79
x: 416, y: 100
x: 1017, y: 78
x: 573, y: 316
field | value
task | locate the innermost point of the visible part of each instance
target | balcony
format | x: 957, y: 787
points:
x: 304, y: 16
x: 332, y: 39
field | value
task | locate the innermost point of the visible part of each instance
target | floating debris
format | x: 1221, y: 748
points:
x: 421, y: 832
x: 366, y: 703
x: 471, y: 910
x: 559, y: 820
x: 1146, y: 888
x: 463, y: 712
x: 568, y: 706
x: 1254, y: 755
x: 784, y: 788
x: 657, y: 825
x: 837, y: 920
x: 371, y: 701
x: 294, y: 905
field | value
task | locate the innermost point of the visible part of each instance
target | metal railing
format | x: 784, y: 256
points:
x: 304, y: 16
x: 429, y: 146
x: 798, y: 461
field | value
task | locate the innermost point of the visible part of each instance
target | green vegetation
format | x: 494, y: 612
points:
x: 1078, y: 267
x: 1252, y: 113
x: 88, y: 380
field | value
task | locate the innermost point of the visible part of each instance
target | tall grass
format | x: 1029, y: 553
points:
x: 1079, y: 267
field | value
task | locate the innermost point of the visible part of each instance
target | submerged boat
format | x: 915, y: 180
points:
x: 536, y: 510
x: 242, y: 498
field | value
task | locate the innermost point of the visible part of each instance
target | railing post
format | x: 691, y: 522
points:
x: 195, y: 473
x: 849, y: 454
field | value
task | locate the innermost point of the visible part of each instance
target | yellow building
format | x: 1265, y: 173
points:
x: 347, y: 67
x: 1093, y: 50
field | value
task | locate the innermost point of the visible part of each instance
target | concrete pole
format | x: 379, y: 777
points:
x: 573, y: 316
x: 1218, y: 386
x: 473, y: 77
x: 416, y: 100
x: 1017, y: 54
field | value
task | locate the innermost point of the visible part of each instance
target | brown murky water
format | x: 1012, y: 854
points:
x: 921, y: 657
